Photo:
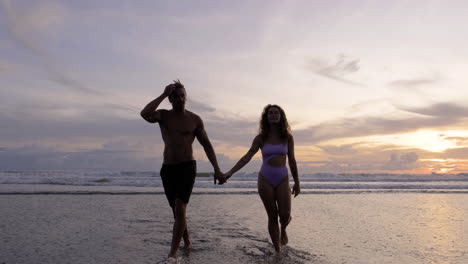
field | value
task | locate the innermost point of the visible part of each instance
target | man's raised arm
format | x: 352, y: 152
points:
x: 149, y: 113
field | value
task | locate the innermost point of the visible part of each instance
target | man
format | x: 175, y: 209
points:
x: 179, y: 127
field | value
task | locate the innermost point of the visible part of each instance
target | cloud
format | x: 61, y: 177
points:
x: 447, y: 110
x: 24, y: 24
x: 460, y: 141
x: 446, y: 167
x: 371, y: 104
x: 336, y: 71
x: 365, y: 157
x: 65, y: 80
x: 4, y: 66
x: 455, y: 153
x: 61, y: 122
x: 365, y: 126
x: 370, y: 157
x: 94, y: 125
x: 231, y: 131
x: 72, y: 125
x: 410, y: 83
x: 342, y: 150
x: 404, y: 161
x: 435, y: 116
x: 39, y: 18
x: 143, y: 152
x: 113, y: 155
x: 123, y: 107
x: 120, y: 139
x: 35, y: 157
x: 199, y: 107
x: 225, y: 163
x: 28, y: 24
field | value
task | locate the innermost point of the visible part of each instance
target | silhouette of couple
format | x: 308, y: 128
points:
x: 179, y: 127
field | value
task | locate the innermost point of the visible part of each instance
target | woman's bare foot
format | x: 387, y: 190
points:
x: 277, y: 248
x: 284, y: 237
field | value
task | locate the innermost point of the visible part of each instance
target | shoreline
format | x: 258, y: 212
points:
x: 50, y: 189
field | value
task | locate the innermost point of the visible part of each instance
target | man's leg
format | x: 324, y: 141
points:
x: 180, y: 225
x: 186, y: 235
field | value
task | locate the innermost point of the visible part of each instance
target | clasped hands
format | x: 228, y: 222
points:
x: 221, y: 178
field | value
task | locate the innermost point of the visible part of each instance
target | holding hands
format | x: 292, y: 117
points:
x: 221, y: 178
x: 227, y: 175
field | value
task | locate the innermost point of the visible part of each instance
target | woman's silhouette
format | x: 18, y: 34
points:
x: 277, y: 143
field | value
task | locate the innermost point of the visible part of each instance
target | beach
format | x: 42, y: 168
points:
x: 232, y: 228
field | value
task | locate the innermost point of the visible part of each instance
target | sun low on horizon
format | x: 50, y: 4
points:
x: 368, y: 87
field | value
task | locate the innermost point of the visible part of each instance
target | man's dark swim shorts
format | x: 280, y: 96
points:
x: 178, y: 180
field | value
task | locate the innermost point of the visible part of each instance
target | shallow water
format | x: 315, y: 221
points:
x: 326, y: 228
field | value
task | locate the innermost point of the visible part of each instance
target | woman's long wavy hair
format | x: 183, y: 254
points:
x: 284, y: 128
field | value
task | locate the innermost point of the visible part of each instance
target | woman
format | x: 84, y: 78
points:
x: 276, y: 142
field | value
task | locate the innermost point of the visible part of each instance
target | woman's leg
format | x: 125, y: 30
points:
x: 267, y: 194
x: 283, y: 198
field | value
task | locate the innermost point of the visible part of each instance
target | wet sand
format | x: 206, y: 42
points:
x: 326, y: 228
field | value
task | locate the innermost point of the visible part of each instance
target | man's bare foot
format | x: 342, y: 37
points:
x: 187, y: 241
x: 284, y: 237
x: 187, y: 244
x: 172, y: 260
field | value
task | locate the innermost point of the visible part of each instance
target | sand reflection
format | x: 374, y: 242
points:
x: 440, y: 230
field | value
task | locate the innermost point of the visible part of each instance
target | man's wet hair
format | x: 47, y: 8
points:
x: 178, y: 84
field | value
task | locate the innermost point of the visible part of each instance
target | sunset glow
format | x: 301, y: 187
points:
x: 366, y: 86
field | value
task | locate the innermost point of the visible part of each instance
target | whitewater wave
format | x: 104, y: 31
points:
x: 311, y: 182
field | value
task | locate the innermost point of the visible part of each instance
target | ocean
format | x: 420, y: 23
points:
x: 123, y: 217
x: 247, y: 182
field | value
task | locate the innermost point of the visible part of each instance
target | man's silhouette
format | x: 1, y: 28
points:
x: 179, y: 127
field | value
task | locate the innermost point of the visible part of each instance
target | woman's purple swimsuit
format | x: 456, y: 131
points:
x: 274, y: 175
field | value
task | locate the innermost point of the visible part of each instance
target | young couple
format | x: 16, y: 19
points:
x: 179, y: 127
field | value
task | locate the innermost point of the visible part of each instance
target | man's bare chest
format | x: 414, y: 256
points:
x: 181, y: 127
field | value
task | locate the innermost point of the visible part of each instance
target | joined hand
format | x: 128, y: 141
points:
x: 219, y: 176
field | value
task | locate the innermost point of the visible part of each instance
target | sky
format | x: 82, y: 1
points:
x: 367, y: 86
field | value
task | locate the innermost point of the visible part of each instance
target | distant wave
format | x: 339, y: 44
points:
x: 309, y: 182
x: 251, y: 192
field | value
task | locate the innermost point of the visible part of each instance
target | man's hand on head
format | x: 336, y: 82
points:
x: 169, y: 89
